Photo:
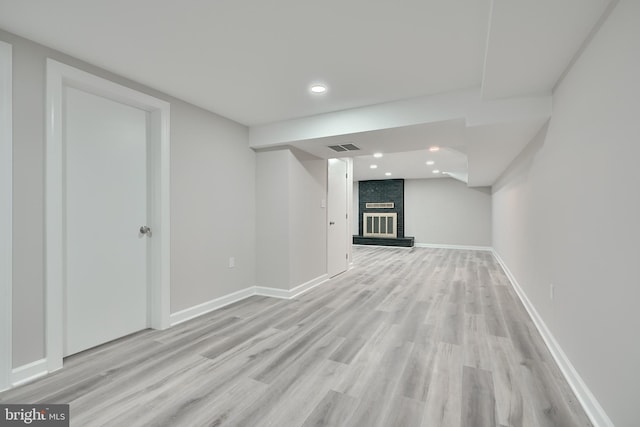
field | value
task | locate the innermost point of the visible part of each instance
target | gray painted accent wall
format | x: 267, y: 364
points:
x: 212, y: 203
x: 445, y: 211
x: 567, y: 213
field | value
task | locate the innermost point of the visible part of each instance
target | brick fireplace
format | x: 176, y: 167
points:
x: 381, y: 213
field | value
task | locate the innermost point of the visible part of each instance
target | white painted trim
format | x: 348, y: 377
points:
x: 291, y: 293
x: 29, y: 372
x: 460, y: 247
x: 592, y: 407
x: 59, y: 76
x: 6, y: 214
x: 300, y: 289
x: 214, y: 304
x: 271, y: 292
x: 209, y: 306
x: 349, y: 235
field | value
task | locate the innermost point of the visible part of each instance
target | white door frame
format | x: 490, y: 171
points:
x: 6, y: 215
x: 349, y: 235
x: 60, y: 76
x: 346, y: 237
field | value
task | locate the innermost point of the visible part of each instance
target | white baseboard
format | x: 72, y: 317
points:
x: 300, y: 289
x: 461, y: 247
x: 589, y: 403
x: 29, y: 372
x: 271, y: 292
x: 290, y: 293
x: 214, y: 304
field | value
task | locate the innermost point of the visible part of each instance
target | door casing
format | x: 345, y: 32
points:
x: 60, y: 76
x: 6, y: 215
x: 337, y: 215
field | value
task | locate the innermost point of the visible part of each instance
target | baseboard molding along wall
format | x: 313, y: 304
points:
x: 29, y: 372
x: 591, y: 406
x: 204, y: 308
x: 294, y: 292
x: 461, y: 247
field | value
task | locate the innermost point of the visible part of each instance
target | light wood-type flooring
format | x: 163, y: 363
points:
x: 407, y: 337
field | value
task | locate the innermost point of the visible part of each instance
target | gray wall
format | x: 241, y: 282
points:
x: 272, y: 234
x: 568, y: 213
x: 212, y: 207
x: 307, y: 218
x: 291, y: 226
x: 446, y: 211
x: 212, y: 184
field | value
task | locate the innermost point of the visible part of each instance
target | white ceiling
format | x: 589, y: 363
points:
x: 531, y: 42
x: 412, y: 165
x: 253, y: 61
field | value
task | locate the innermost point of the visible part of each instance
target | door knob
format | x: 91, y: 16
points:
x: 145, y: 230
x: 331, y: 223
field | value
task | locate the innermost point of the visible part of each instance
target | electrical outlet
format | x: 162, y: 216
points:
x: 232, y: 262
x: 552, y: 291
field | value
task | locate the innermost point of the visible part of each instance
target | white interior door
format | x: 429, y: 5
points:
x: 105, y: 189
x: 337, y: 256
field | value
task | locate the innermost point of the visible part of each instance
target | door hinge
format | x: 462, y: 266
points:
x: 346, y: 176
x: 346, y: 216
x: 346, y: 256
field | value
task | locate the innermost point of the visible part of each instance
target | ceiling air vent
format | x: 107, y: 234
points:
x: 350, y: 147
x: 337, y: 148
x: 344, y: 147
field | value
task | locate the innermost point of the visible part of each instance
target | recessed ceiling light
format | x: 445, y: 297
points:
x: 374, y: 166
x: 377, y: 155
x: 317, y: 88
x: 436, y: 171
x: 430, y: 162
x: 434, y: 148
x: 387, y: 173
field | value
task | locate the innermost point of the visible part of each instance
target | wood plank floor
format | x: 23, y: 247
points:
x: 407, y: 337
